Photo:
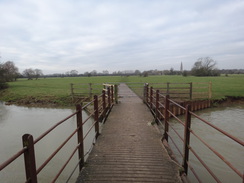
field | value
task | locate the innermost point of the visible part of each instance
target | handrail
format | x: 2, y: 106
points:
x: 156, y: 101
x: 220, y: 130
x: 101, y: 104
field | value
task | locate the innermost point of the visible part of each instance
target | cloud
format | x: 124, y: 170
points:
x: 57, y: 36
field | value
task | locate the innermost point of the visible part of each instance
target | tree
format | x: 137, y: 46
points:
x: 11, y: 72
x: 73, y: 73
x: 29, y: 73
x: 205, y: 67
x: 3, y: 83
x: 38, y: 73
x: 145, y: 74
x: 137, y: 72
x: 93, y: 73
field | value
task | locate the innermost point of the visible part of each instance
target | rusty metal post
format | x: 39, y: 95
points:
x: 157, y: 107
x: 116, y: 93
x: 80, y: 136
x: 96, y: 113
x: 151, y: 97
x: 187, y: 138
x: 29, y: 156
x: 109, y: 97
x: 166, y: 118
x: 112, y: 94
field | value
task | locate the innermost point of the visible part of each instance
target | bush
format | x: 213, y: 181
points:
x: 3, y: 86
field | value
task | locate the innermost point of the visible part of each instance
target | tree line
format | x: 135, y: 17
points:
x: 9, y: 72
x: 204, y: 66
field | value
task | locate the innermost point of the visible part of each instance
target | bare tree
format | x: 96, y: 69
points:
x: 73, y: 72
x: 205, y: 67
x: 29, y: 73
x: 38, y: 73
x: 11, y: 72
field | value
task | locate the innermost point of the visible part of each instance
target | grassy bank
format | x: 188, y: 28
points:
x: 56, y: 91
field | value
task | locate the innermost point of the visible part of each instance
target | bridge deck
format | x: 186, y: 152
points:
x: 129, y: 148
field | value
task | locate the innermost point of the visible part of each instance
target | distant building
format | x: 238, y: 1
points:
x: 181, y: 67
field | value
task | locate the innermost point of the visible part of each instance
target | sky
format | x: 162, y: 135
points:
x: 57, y: 36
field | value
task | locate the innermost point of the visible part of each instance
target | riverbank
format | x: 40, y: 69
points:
x: 228, y: 101
x: 47, y: 102
x: 66, y: 102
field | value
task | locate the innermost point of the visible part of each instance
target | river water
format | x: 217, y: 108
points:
x: 230, y: 119
x: 16, y: 121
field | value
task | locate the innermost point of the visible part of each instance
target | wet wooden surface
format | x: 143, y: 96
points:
x: 129, y: 148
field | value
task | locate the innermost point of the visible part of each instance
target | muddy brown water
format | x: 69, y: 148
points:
x: 230, y: 119
x: 16, y: 121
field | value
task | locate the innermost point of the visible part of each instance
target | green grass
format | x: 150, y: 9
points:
x: 58, y: 89
x: 222, y: 86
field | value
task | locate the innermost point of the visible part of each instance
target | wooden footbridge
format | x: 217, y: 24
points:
x: 129, y: 149
x: 129, y: 146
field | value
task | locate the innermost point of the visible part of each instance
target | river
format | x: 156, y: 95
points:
x: 16, y: 121
x: 230, y: 119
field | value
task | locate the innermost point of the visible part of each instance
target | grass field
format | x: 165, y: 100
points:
x: 57, y: 90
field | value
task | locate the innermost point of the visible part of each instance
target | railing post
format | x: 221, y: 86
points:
x: 151, y: 97
x: 146, y: 93
x: 157, y: 106
x: 80, y: 136
x: 109, y: 100
x: 187, y: 138
x: 166, y: 118
x: 112, y: 94
x: 29, y: 156
x: 96, y: 113
x: 116, y: 93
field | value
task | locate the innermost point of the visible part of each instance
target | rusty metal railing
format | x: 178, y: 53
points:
x: 99, y: 109
x: 161, y: 107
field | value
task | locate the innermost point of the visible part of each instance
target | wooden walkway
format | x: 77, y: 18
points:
x: 129, y: 148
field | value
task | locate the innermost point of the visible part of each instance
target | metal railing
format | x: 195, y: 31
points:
x: 101, y: 106
x: 160, y: 107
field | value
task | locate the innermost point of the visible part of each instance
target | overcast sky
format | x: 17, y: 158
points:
x: 61, y: 35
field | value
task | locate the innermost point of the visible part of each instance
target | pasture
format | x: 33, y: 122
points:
x: 57, y: 90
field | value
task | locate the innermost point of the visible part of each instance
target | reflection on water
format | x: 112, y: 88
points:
x: 16, y: 121
x: 230, y: 119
